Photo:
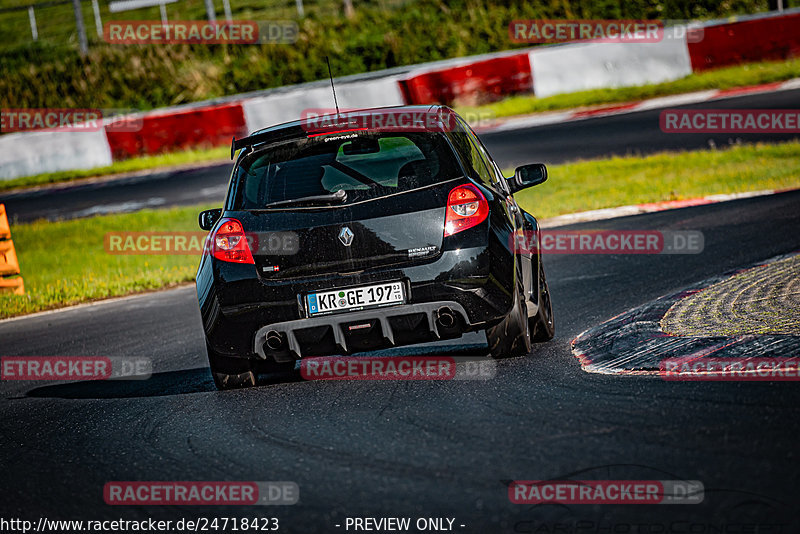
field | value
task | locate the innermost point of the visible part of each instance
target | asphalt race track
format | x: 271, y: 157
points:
x: 632, y: 133
x: 625, y: 134
x: 420, y: 448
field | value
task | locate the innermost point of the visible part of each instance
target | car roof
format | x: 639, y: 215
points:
x: 301, y: 127
x: 355, y: 113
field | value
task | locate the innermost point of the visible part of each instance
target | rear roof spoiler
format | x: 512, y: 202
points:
x: 254, y: 139
x: 251, y: 140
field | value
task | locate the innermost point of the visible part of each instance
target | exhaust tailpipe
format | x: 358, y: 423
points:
x: 445, y: 317
x: 274, y: 340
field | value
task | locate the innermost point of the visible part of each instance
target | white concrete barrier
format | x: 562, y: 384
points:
x: 260, y: 112
x: 28, y: 153
x: 584, y: 66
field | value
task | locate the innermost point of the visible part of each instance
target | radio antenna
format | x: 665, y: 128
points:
x: 330, y: 75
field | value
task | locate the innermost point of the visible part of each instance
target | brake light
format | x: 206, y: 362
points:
x: 466, y: 207
x: 230, y: 243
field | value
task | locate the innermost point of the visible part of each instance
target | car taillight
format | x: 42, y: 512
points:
x: 230, y: 243
x: 466, y: 207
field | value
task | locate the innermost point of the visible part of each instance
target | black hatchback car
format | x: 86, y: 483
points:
x: 366, y: 230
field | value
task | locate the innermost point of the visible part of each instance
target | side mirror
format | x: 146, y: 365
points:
x: 528, y: 176
x: 208, y: 218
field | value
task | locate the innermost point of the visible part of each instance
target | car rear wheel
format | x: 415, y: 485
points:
x: 542, y: 325
x: 511, y: 337
x: 230, y: 373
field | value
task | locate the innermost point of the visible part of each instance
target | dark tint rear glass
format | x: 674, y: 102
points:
x: 365, y: 166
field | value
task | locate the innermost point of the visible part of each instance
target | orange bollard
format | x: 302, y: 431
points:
x: 9, y: 264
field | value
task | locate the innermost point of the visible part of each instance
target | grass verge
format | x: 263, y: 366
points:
x: 66, y: 263
x: 129, y: 165
x: 724, y: 78
x: 620, y: 181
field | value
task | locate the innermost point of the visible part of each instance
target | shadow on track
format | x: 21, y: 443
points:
x: 188, y: 381
x: 183, y: 382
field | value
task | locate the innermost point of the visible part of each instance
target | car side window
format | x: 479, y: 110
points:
x: 478, y: 167
x: 498, y: 177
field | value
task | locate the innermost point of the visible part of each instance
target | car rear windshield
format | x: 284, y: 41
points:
x: 364, y: 166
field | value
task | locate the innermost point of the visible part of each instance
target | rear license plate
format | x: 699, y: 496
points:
x: 355, y: 298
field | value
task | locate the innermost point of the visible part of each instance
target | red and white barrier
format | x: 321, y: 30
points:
x: 276, y: 108
x: 471, y: 83
x: 585, y: 66
x: 172, y: 130
x: 759, y: 39
x: 543, y: 70
x: 29, y: 153
x: 595, y: 65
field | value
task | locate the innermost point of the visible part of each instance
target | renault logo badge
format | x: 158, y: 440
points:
x: 346, y: 236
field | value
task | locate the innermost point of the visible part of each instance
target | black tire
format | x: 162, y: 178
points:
x: 542, y: 325
x: 511, y: 337
x: 230, y: 373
